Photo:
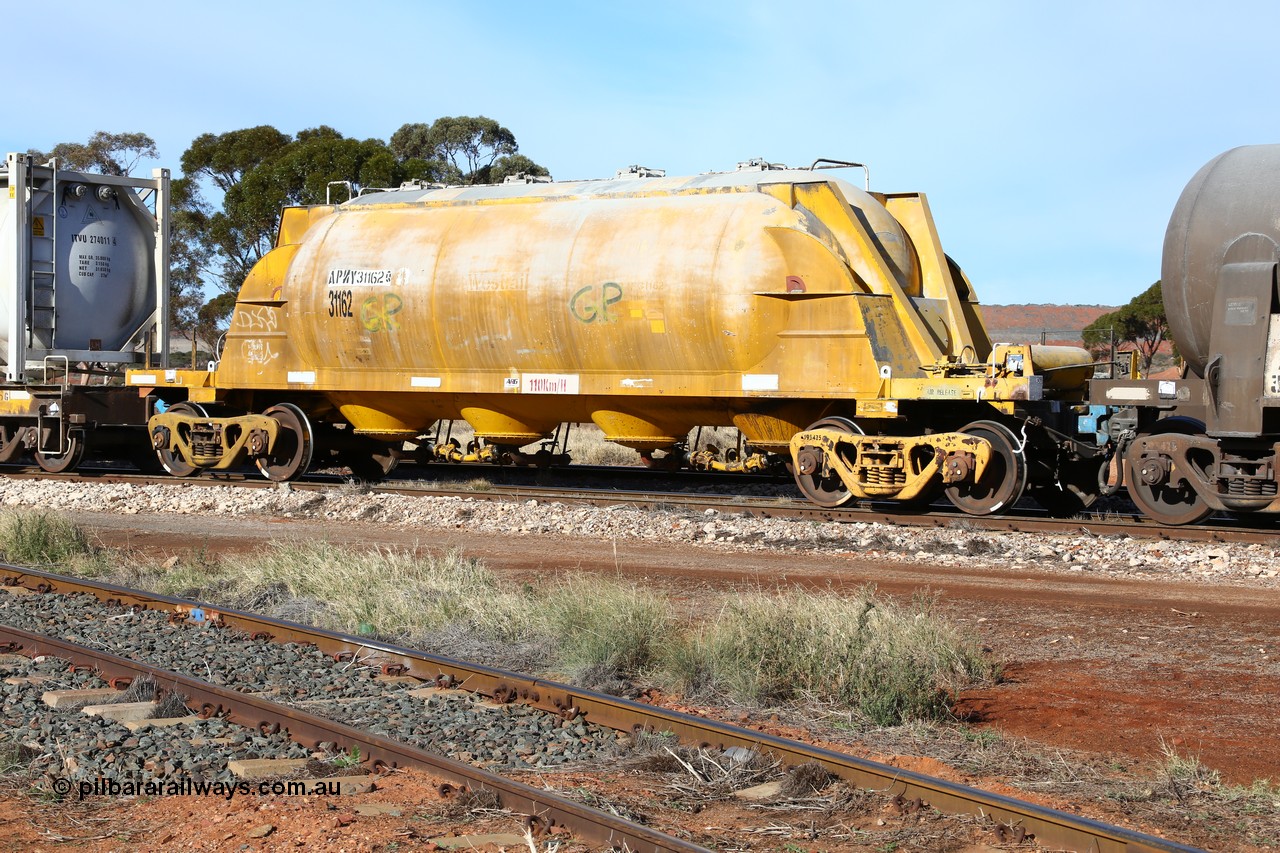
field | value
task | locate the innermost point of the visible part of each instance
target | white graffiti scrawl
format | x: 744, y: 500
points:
x: 258, y: 351
x: 261, y: 318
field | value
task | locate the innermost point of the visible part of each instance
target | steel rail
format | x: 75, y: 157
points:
x: 1048, y: 826
x: 382, y: 753
x: 1219, y: 531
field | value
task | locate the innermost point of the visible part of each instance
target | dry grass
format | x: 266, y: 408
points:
x: 606, y: 628
x: 587, y: 446
x: 887, y: 662
x: 890, y: 663
x: 393, y: 594
x: 38, y: 539
x: 871, y: 659
x: 707, y: 775
x: 466, y: 803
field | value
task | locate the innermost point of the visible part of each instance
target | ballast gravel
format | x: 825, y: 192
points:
x: 457, y: 725
x: 1226, y: 563
x: 68, y: 744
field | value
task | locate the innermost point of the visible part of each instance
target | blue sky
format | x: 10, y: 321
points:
x: 1051, y: 139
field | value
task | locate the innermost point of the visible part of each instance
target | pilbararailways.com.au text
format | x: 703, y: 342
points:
x: 188, y: 787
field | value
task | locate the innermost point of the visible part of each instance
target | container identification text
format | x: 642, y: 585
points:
x: 359, y: 278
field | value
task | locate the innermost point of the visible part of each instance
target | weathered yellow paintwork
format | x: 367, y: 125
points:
x: 762, y: 300
x: 236, y: 438
x: 198, y: 385
x: 20, y: 402
x: 896, y: 468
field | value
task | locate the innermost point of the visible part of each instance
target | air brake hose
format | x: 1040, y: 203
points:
x: 1108, y: 489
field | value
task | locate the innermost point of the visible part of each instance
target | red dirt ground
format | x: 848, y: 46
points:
x: 1110, y: 666
x: 1114, y: 669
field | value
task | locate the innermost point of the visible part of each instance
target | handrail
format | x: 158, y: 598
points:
x: 842, y: 164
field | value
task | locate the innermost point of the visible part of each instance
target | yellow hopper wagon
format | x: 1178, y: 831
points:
x: 822, y: 320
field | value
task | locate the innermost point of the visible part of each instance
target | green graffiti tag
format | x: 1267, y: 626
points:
x: 377, y: 312
x: 590, y: 304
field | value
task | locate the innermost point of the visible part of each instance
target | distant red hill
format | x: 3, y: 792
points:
x: 1055, y: 324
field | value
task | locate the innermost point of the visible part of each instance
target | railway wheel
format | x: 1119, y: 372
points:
x: 68, y: 459
x: 292, y: 454
x: 1151, y: 487
x: 1002, y: 481
x: 825, y: 491
x: 173, y: 462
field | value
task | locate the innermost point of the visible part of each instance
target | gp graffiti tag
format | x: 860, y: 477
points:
x: 377, y: 313
x: 591, y: 304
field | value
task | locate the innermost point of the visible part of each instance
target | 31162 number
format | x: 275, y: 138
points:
x: 340, y: 302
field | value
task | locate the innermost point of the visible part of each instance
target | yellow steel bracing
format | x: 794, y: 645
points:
x: 709, y: 460
x: 837, y: 215
x: 891, y: 467
x: 965, y: 328
x: 451, y: 451
x: 217, y: 443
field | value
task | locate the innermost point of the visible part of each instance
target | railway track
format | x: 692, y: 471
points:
x: 1020, y: 520
x: 1010, y: 819
x: 543, y: 809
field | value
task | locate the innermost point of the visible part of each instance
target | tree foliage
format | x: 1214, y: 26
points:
x: 104, y: 153
x: 462, y: 150
x: 1141, y: 323
x: 188, y: 258
x: 515, y: 164
x: 260, y: 170
x: 234, y: 238
x: 226, y: 207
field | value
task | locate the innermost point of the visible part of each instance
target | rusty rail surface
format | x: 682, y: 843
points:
x: 545, y: 808
x: 1011, y: 816
x: 939, y: 517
